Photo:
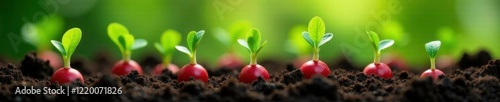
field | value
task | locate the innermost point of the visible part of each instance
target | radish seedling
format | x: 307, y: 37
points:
x: 70, y: 40
x: 39, y: 35
x: 432, y: 49
x: 316, y: 37
x: 377, y: 68
x: 193, y: 69
x: 169, y: 39
x: 253, y: 71
x: 126, y: 43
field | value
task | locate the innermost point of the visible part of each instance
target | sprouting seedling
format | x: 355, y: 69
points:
x: 126, y: 43
x: 169, y: 39
x: 378, y: 68
x: 69, y: 42
x: 432, y: 48
x: 253, y: 44
x: 124, y: 40
x: 193, y: 40
x: 316, y: 37
x: 67, y: 47
x: 378, y: 45
x: 193, y: 69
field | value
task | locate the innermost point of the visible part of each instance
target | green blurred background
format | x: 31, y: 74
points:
x: 464, y: 26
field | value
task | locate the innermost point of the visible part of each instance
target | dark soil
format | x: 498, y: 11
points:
x: 476, y: 83
x: 481, y: 58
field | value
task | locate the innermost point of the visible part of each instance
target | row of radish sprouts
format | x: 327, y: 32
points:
x: 315, y: 36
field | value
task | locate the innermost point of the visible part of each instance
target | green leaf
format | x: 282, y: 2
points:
x: 327, y: 37
x: 59, y: 47
x: 374, y: 40
x: 191, y: 39
x: 253, y: 39
x: 139, y: 43
x: 184, y: 50
x: 385, y: 44
x: 71, y: 39
x: 307, y: 37
x: 432, y: 48
x: 244, y: 43
x: 160, y: 48
x: 128, y: 42
x: 199, y: 35
x: 115, y: 30
x: 253, y: 44
x: 169, y: 39
x: 316, y: 30
x: 123, y: 43
x: 261, y: 46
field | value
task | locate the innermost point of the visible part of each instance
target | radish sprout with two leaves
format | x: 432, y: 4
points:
x: 67, y: 47
x: 316, y: 37
x: 126, y: 43
x: 253, y: 71
x: 193, y: 69
x: 377, y: 68
x: 169, y: 39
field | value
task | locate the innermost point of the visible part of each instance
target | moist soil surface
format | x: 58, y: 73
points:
x: 474, y: 83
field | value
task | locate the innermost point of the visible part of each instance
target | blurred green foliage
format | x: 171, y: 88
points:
x: 463, y: 26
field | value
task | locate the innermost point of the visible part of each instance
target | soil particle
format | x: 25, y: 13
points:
x: 9, y: 74
x: 267, y: 88
x: 134, y: 77
x: 166, y: 76
x: 193, y: 88
x: 493, y: 68
x: 33, y: 67
x: 292, y: 77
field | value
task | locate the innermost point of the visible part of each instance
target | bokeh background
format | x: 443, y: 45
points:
x: 464, y: 26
